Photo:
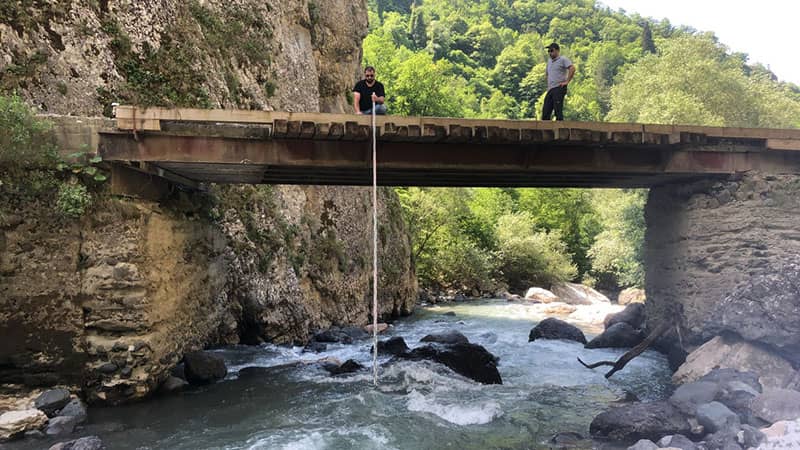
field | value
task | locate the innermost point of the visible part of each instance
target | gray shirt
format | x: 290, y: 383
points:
x: 557, y: 71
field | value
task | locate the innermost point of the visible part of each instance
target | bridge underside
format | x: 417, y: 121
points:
x: 337, y: 150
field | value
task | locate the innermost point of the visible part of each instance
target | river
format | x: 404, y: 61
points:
x: 269, y: 402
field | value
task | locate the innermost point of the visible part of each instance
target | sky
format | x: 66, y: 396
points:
x: 768, y: 31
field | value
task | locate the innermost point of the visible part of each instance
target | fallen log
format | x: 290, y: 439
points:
x: 632, y: 353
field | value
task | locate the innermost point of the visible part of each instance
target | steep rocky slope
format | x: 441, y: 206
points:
x: 110, y: 302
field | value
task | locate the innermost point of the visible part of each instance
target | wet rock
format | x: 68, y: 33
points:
x: 552, y: 328
x: 721, y: 440
x: 34, y: 434
x: 172, y: 384
x: 343, y: 335
x: 566, y: 439
x: 630, y: 423
x: 348, y: 366
x: 315, y: 347
x: 204, y: 367
x: 450, y: 313
x: 678, y: 441
x: 107, y: 368
x: 179, y: 371
x: 643, y: 444
x: 51, y: 401
x: 84, y: 443
x: 470, y: 360
x: 716, y: 417
x: 750, y: 436
x: 633, y: 315
x: 619, y: 335
x: 689, y: 396
x: 774, y: 405
x: 61, y: 425
x: 448, y: 337
x: 13, y: 423
x: 393, y: 346
x: 75, y: 408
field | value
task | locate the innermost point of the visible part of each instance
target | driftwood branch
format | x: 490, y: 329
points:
x: 632, y: 353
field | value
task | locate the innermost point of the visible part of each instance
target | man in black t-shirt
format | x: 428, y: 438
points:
x: 367, y: 91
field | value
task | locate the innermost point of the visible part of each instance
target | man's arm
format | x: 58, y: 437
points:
x: 379, y: 95
x: 570, y: 74
x: 356, y: 99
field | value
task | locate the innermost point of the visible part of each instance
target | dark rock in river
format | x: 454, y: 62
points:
x: 49, y: 402
x: 448, y: 337
x: 204, y: 367
x: 315, y: 347
x: 470, y: 360
x: 552, y: 328
x: 393, y: 346
x: 348, y: 366
x: 619, y: 335
x: 633, y: 315
x: 630, y: 423
x: 84, y: 443
x: 75, y: 408
x: 61, y: 425
x: 344, y: 335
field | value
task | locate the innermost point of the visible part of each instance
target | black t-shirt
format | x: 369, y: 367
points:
x: 365, y: 102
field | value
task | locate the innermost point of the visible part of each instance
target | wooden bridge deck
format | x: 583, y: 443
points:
x: 192, y: 146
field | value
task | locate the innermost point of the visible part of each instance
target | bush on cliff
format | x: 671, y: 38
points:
x: 25, y: 140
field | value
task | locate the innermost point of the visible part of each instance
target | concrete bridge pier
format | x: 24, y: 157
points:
x: 721, y: 256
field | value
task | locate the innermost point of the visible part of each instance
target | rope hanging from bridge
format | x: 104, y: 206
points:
x: 374, y: 252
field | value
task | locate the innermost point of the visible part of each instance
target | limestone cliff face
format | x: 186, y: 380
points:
x: 111, y: 302
x: 76, y: 57
x: 722, y: 258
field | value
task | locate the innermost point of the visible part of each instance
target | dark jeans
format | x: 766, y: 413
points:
x: 554, y: 100
x: 380, y: 109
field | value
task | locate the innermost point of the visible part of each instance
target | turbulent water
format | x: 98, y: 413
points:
x: 270, y: 402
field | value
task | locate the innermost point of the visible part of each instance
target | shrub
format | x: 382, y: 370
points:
x: 73, y: 200
x: 25, y: 140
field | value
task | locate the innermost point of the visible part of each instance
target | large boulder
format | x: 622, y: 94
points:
x: 61, y: 425
x: 577, y: 294
x: 619, y: 335
x: 393, y: 346
x: 204, y: 367
x: 51, y: 401
x: 13, y: 423
x: 630, y: 423
x: 552, y: 328
x: 470, y: 360
x: 763, y: 309
x: 447, y: 337
x: 540, y: 295
x: 631, y: 295
x: 75, y: 408
x: 633, y: 315
x: 774, y: 405
x: 732, y: 352
x: 344, y: 335
x: 715, y: 416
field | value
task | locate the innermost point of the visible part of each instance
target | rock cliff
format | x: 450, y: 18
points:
x: 111, y: 302
x: 721, y: 258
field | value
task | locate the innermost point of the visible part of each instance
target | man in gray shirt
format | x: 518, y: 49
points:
x: 560, y: 71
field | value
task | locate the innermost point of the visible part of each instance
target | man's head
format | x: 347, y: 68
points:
x: 553, y: 50
x: 369, y: 74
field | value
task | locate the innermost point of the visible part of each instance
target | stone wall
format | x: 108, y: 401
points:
x: 721, y: 258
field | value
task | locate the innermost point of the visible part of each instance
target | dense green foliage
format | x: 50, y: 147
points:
x: 31, y: 170
x: 486, y: 58
x: 25, y: 141
x: 483, y: 239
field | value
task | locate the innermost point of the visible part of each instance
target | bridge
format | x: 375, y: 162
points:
x: 192, y: 147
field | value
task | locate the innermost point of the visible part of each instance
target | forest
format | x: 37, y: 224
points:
x: 486, y: 59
